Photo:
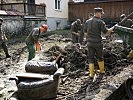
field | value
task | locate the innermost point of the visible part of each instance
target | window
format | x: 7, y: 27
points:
x: 31, y: 1
x: 57, y: 4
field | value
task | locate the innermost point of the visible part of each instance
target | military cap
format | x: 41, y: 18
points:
x: 78, y: 21
x: 122, y: 16
x: 90, y: 15
x: 98, y: 9
x: 1, y: 19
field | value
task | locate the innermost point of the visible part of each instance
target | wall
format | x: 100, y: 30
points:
x: 56, y: 23
x: 32, y: 23
x: 78, y: 0
x: 16, y: 26
x: 50, y: 8
x: 12, y: 25
x: 55, y: 16
x: 112, y: 9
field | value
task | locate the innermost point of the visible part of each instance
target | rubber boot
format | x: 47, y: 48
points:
x: 130, y: 54
x: 101, y: 67
x: 5, y: 50
x: 91, y: 70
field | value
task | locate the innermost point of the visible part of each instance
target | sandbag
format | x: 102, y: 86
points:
x: 41, y: 67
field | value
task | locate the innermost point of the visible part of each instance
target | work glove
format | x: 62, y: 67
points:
x: 130, y: 54
x: 38, y: 46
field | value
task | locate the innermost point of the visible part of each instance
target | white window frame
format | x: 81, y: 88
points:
x: 58, y: 5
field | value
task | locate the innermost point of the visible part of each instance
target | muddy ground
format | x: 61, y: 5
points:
x: 75, y: 84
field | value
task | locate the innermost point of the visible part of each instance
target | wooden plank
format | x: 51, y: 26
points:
x: 112, y: 9
x: 32, y: 75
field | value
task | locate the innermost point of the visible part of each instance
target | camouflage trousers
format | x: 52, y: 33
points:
x: 95, y: 52
x: 4, y: 47
x: 31, y: 50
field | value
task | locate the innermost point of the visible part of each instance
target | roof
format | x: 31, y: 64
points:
x: 35, y: 17
x: 14, y: 13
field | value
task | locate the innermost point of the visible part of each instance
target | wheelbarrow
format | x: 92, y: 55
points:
x: 122, y: 31
x: 38, y: 86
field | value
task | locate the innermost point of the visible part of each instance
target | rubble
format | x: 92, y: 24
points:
x: 75, y: 83
x: 75, y: 64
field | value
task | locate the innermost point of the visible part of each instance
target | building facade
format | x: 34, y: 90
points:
x: 21, y: 16
x: 56, y: 13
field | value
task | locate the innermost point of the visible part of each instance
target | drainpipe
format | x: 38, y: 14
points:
x: 24, y: 16
x: 1, y: 4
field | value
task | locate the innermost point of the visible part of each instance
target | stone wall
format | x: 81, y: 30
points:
x: 13, y: 25
x: 18, y: 26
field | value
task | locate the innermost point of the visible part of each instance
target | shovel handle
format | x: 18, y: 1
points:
x: 125, y: 18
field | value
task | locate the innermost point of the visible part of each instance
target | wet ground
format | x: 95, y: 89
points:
x: 75, y: 84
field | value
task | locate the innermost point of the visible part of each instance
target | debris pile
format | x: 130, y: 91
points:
x: 75, y: 83
x: 75, y: 55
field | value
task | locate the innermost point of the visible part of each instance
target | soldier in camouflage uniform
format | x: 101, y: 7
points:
x: 127, y: 23
x: 90, y: 15
x: 32, y: 39
x: 75, y: 30
x: 94, y: 27
x: 3, y: 40
x: 81, y: 35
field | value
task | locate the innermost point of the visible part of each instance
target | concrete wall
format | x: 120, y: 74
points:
x: 15, y: 25
x: 56, y: 23
x: 12, y: 25
x: 54, y: 16
x: 30, y: 24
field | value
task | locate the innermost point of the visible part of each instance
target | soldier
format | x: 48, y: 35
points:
x: 127, y: 23
x: 94, y: 27
x: 90, y: 15
x: 3, y: 40
x: 32, y: 40
x: 75, y: 30
x: 81, y: 35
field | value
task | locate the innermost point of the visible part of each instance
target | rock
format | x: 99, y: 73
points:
x: 2, y: 85
x: 89, y: 97
x: 3, y: 92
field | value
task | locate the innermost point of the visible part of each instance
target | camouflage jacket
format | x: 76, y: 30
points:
x: 94, y: 27
x: 127, y: 23
x: 75, y: 28
x: 33, y: 36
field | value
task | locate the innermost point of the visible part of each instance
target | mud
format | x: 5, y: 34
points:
x: 75, y: 83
